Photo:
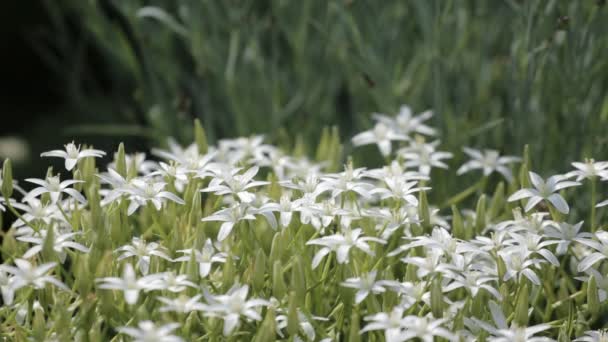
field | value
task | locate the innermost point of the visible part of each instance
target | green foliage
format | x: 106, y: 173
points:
x: 496, y: 73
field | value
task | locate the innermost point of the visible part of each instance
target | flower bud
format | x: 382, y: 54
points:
x: 39, y: 323
x: 293, y: 322
x: 259, y: 270
x: 267, y: 331
x: 275, y: 248
x: 521, y: 306
x: 524, y: 179
x: 7, y: 178
x: 298, y: 279
x: 436, y: 298
x: 498, y: 201
x: 121, y: 161
x: 593, y: 299
x: 200, y: 137
x: 424, y: 211
x: 78, y: 176
x: 195, y: 214
x: 278, y: 282
x: 354, y: 328
x: 480, y: 214
x: 228, y: 273
x: 457, y: 224
x: 48, y: 246
x: 191, y: 325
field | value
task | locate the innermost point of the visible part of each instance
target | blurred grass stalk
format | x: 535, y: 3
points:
x: 498, y: 74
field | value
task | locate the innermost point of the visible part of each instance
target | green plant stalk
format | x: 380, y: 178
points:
x: 593, y: 182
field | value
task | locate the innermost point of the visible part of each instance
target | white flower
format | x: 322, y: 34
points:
x: 230, y: 216
x: 237, y: 185
x: 72, y: 154
x: 234, y: 304
x: 594, y: 336
x: 473, y: 281
x: 503, y: 333
x: 424, y: 328
x: 54, y: 187
x: 26, y: 274
x: 589, y: 169
x: 61, y: 242
x: 142, y: 251
x: 424, y: 156
x: 489, y: 161
x: 399, y: 188
x: 391, y: 323
x: 347, y: 181
x: 545, y: 190
x: 305, y: 326
x: 565, y: 233
x: 6, y: 287
x: 430, y: 264
x: 406, y: 123
x: 365, y: 284
x: 173, y: 283
x: 143, y: 191
x: 35, y: 211
x: 341, y: 244
x: 532, y: 243
x: 146, y: 331
x: 382, y: 135
x: 601, y: 248
x: 181, y: 304
x: 518, y: 264
x: 129, y: 283
x: 205, y: 257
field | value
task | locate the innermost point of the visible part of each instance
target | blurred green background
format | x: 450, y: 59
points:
x: 499, y: 74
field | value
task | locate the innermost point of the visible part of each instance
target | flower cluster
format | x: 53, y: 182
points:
x: 240, y: 240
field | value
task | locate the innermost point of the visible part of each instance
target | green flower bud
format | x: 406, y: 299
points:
x: 191, y: 325
x: 521, y: 306
x: 293, y: 322
x: 39, y: 323
x: 278, y: 282
x: 480, y: 214
x: 593, y: 297
x: 259, y: 270
x: 121, y: 161
x: 457, y: 224
x: 354, y: 328
x: 267, y: 331
x: 276, y: 249
x: 48, y: 251
x: 437, y: 305
x: 524, y: 179
x: 78, y: 176
x: 424, y: 212
x: 498, y: 201
x: 298, y: 279
x: 7, y: 178
x: 229, y: 276
x: 200, y: 137
x: 195, y: 214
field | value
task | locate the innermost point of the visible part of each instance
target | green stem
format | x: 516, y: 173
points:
x: 465, y: 193
x: 16, y: 213
x: 593, y: 200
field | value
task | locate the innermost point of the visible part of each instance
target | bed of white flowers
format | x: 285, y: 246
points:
x: 243, y: 242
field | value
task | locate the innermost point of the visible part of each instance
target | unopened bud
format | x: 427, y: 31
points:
x: 7, y: 178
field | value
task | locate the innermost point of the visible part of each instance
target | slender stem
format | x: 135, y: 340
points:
x: 593, y: 200
x: 16, y: 213
x: 465, y: 193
